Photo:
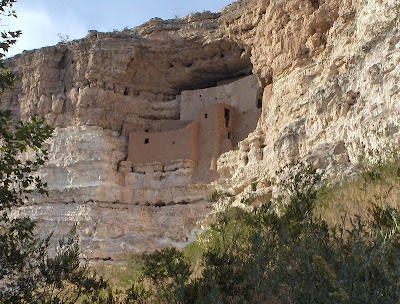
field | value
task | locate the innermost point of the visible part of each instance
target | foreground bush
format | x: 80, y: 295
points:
x: 282, y: 255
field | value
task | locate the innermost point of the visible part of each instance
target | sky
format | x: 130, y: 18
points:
x: 43, y: 21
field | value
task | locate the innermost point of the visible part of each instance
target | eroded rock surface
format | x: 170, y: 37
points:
x: 330, y: 91
x: 331, y: 76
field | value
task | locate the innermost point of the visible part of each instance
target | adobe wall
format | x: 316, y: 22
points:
x: 242, y: 94
x: 169, y: 125
x: 204, y: 141
x: 167, y: 146
x: 212, y: 139
x: 153, y: 126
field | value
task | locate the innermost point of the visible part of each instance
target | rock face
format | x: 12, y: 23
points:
x: 329, y: 77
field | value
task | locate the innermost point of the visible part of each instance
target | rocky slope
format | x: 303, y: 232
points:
x: 330, y: 76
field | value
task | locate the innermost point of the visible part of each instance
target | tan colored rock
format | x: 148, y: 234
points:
x: 58, y: 104
x: 329, y: 72
x: 328, y: 105
x: 118, y: 231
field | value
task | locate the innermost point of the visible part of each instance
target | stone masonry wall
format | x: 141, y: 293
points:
x: 165, y: 146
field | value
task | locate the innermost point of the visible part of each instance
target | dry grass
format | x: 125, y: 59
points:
x: 377, y: 184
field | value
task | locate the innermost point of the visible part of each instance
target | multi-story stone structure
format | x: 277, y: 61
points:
x: 212, y: 122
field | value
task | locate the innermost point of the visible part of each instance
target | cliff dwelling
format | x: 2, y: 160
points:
x: 163, y: 114
x: 212, y: 121
x: 146, y: 134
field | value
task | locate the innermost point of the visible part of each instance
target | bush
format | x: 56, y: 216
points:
x: 214, y: 196
x: 285, y: 255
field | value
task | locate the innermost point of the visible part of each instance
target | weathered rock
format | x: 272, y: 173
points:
x: 116, y: 231
x: 329, y: 72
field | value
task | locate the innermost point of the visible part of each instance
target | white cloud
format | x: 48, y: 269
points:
x: 40, y: 28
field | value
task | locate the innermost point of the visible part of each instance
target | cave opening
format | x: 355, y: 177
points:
x: 315, y: 3
x: 209, y: 67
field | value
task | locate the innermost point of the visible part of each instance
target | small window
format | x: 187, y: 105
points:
x: 126, y: 92
x: 146, y: 130
x: 173, y: 143
x: 206, y: 115
x: 146, y: 141
x: 229, y: 135
x: 227, y: 117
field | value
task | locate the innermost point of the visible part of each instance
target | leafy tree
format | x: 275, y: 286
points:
x: 167, y: 271
x: 28, y: 273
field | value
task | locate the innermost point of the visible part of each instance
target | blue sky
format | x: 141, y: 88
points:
x: 42, y: 20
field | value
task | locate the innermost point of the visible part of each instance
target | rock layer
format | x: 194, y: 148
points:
x: 329, y: 72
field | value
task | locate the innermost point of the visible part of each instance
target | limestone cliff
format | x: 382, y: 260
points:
x: 330, y: 71
x: 329, y: 89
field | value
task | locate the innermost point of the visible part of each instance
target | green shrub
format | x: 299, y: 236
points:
x: 214, y: 196
x: 290, y: 255
x: 289, y: 251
